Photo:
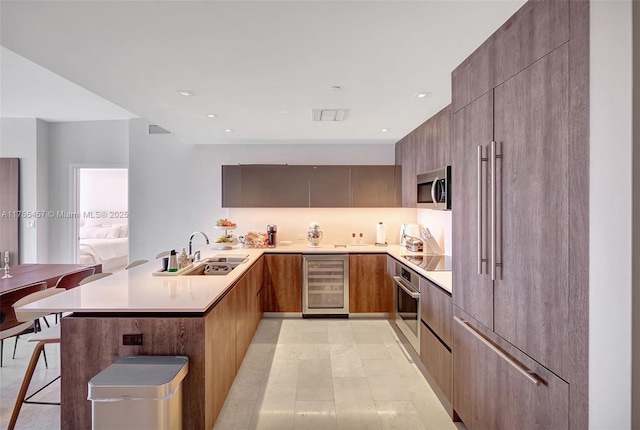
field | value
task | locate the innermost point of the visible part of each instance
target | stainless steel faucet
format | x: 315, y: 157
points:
x: 191, y: 255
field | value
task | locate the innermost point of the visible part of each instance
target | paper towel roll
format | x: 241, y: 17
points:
x: 381, y: 233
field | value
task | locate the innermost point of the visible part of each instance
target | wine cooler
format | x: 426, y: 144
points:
x: 325, y: 285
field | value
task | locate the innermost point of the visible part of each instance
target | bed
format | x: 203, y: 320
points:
x: 106, y: 244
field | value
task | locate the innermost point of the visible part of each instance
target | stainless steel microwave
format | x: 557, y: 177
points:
x: 434, y: 189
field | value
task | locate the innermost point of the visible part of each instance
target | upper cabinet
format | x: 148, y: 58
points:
x: 310, y: 186
x: 538, y: 28
x: 373, y: 186
x: 426, y: 148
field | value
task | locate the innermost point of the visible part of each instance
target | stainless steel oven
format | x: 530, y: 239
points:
x: 408, y: 304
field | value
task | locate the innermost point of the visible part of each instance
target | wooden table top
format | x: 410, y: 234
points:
x: 25, y: 274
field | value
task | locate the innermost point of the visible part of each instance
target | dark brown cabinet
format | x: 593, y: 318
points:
x: 311, y: 186
x: 369, y: 289
x: 282, y: 291
x: 436, y: 336
x: 517, y: 154
x: 433, y: 142
x: 9, y: 200
x: 329, y: 186
x: 498, y: 387
x: 406, y: 150
x: 373, y: 186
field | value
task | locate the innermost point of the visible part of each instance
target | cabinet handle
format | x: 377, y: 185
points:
x: 412, y: 294
x: 433, y: 192
x: 479, y: 209
x: 531, y: 376
x: 494, y: 160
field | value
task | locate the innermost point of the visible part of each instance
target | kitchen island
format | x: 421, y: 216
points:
x: 210, y: 319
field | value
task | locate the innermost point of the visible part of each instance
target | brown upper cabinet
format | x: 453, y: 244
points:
x: 311, y: 186
x: 329, y: 186
x: 373, y: 186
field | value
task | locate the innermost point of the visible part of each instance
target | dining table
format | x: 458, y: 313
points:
x: 26, y: 274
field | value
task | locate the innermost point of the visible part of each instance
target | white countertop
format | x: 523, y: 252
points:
x: 137, y: 291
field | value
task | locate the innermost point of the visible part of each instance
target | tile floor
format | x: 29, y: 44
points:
x: 330, y: 374
x: 298, y: 374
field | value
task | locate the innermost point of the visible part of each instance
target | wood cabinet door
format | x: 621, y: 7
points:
x: 373, y: 186
x: 256, y: 280
x: 442, y: 147
x: 436, y: 310
x: 329, y: 186
x: 494, y: 386
x: 369, y: 290
x: 391, y: 285
x: 531, y: 292
x: 282, y: 290
x: 437, y: 359
x: 472, y: 126
x: 275, y: 186
x: 240, y: 298
x: 424, y: 137
x: 409, y: 187
x: 9, y: 199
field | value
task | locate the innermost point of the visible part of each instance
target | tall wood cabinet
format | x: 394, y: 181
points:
x: 514, y: 155
x: 9, y: 202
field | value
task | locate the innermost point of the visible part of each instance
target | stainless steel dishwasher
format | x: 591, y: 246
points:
x: 325, y: 285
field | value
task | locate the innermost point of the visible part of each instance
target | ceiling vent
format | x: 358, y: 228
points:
x: 156, y: 129
x: 328, y: 114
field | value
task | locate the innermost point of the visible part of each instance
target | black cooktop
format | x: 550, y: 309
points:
x: 431, y: 263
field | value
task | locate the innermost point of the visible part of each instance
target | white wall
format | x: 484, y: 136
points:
x: 27, y: 139
x: 104, y: 190
x: 80, y: 144
x: 175, y: 188
x: 610, y: 229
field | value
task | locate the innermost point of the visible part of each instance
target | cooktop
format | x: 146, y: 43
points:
x: 430, y: 262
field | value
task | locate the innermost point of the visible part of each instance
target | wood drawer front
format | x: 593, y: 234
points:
x: 437, y: 360
x: 490, y: 392
x: 436, y: 310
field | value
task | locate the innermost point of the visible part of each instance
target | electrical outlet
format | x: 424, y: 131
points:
x: 302, y: 236
x: 132, y: 339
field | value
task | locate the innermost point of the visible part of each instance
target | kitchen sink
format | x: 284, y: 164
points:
x: 218, y: 265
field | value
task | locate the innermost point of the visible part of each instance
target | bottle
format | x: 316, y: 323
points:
x: 183, y: 260
x: 173, y: 261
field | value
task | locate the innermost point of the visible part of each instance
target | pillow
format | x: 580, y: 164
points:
x: 124, y: 230
x: 92, y: 232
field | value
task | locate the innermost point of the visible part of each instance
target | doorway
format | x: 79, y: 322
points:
x: 102, y: 231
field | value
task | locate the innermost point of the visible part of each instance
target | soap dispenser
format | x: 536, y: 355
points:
x: 173, y: 261
x: 183, y: 260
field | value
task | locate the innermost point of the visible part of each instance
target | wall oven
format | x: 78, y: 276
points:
x: 434, y: 189
x: 408, y: 304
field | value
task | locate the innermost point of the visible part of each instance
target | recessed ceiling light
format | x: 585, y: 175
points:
x: 185, y: 93
x: 211, y: 115
x: 228, y: 130
x: 422, y: 95
x: 335, y: 88
x: 384, y: 130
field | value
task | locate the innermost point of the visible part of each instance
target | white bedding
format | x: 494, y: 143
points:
x: 104, y: 249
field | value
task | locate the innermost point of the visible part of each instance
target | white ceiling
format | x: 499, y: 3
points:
x: 259, y: 66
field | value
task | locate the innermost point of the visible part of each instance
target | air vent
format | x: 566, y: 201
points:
x: 328, y: 114
x: 156, y: 129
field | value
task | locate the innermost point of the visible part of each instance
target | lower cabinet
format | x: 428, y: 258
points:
x: 436, y: 317
x: 282, y: 291
x: 369, y: 289
x: 436, y: 357
x: 497, y: 387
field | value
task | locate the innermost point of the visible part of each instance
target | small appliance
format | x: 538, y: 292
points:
x: 272, y: 230
x: 412, y: 230
x: 315, y: 235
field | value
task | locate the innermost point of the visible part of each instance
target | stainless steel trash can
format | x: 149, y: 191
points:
x: 141, y: 392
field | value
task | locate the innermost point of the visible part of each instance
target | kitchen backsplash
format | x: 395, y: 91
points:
x: 439, y: 223
x: 336, y: 224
